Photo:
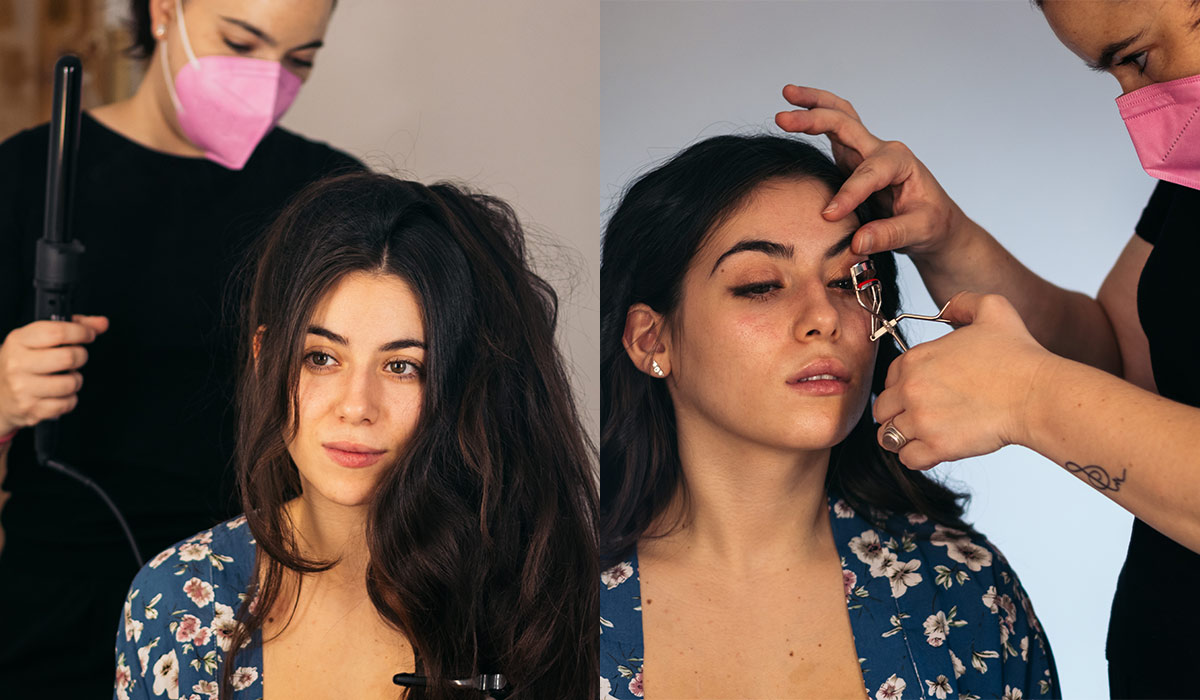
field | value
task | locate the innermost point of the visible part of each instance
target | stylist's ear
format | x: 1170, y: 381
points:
x: 162, y: 13
x: 646, y: 341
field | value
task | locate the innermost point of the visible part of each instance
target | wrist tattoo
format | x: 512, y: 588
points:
x: 1095, y: 475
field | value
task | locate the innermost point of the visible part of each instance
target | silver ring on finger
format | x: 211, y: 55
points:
x: 892, y: 439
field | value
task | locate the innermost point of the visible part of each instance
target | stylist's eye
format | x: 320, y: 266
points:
x: 758, y: 291
x: 300, y: 63
x: 1137, y: 60
x: 240, y: 48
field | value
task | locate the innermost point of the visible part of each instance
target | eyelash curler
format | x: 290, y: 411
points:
x: 867, y: 285
x: 495, y: 684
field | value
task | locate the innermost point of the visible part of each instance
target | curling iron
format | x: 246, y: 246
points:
x: 58, y: 254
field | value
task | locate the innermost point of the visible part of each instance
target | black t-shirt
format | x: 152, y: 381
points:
x: 1152, y: 638
x: 154, y: 423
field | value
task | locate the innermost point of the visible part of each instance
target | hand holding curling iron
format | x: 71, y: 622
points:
x: 39, y: 369
x: 966, y: 393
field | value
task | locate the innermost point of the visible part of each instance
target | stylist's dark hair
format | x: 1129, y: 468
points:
x: 651, y: 238
x: 141, y: 31
x: 482, y: 534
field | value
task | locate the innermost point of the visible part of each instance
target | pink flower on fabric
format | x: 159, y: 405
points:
x: 244, y: 677
x: 892, y: 689
x: 635, y: 685
x: 201, y: 592
x: 188, y: 626
x: 124, y: 676
x: 849, y: 580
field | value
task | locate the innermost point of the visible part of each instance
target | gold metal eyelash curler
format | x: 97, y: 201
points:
x: 867, y: 285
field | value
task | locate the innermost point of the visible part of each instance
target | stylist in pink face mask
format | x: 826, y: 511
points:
x: 1107, y: 388
x: 174, y: 184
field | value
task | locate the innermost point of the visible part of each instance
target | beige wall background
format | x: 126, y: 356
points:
x: 497, y: 94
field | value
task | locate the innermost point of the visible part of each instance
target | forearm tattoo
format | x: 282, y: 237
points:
x: 1095, y: 475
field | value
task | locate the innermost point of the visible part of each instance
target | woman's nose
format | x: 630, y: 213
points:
x: 816, y: 316
x: 359, y: 402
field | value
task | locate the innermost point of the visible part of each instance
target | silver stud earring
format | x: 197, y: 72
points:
x: 160, y: 31
x: 656, y: 369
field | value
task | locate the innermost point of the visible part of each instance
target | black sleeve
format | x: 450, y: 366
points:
x: 14, y: 196
x: 1155, y: 213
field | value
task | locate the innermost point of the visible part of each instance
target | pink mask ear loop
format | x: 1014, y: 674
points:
x: 187, y: 49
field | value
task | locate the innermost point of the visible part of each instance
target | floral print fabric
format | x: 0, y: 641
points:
x: 936, y: 613
x: 178, y: 623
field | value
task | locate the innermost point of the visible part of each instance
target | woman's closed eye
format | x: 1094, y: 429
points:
x: 843, y: 283
x: 757, y: 291
x: 1137, y: 60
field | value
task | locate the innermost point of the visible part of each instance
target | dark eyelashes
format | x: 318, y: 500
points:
x: 245, y: 48
x: 761, y: 290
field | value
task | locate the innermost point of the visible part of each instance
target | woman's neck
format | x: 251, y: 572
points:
x: 330, y: 532
x: 148, y: 117
x: 746, y: 506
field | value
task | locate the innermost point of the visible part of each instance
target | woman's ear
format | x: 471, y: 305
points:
x: 647, y: 341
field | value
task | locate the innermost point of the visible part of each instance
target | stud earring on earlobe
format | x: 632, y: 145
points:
x: 656, y: 369
x: 160, y: 31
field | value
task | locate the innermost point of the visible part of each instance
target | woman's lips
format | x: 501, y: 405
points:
x: 820, y: 386
x: 351, y: 455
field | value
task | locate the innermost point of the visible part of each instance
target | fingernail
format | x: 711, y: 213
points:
x: 864, y: 243
x: 833, y: 206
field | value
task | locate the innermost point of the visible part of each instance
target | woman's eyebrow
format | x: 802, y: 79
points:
x: 770, y: 248
x: 386, y: 347
x: 841, y: 246
x: 267, y: 38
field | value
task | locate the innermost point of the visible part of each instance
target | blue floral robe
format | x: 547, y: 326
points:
x: 935, y: 613
x: 178, y: 622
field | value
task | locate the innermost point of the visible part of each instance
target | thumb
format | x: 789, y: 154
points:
x: 99, y: 324
x: 962, y: 309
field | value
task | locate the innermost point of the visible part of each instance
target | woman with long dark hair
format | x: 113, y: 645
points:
x: 756, y: 540
x: 417, y: 485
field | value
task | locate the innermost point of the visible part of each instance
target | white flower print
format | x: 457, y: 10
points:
x: 166, y: 675
x: 959, y: 668
x: 989, y: 599
x: 884, y: 564
x: 917, y: 519
x: 124, y: 676
x: 133, y: 628
x: 842, y: 510
x: 967, y: 552
x: 606, y: 689
x: 943, y: 535
x: 223, y: 625
x: 200, y: 591
x: 151, y: 611
x: 193, y: 551
x: 244, y: 677
x: 939, y: 688
x: 144, y: 655
x: 936, y: 629
x: 892, y: 689
x: 1011, y: 693
x: 236, y: 522
x: 902, y: 576
x: 161, y: 557
x: 617, y: 575
x: 205, y: 537
x: 1024, y: 648
x: 209, y: 688
x: 868, y: 549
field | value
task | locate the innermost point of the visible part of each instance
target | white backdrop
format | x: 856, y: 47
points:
x: 500, y: 95
x: 1017, y: 130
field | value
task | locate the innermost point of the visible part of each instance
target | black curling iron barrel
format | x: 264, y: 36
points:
x: 58, y: 253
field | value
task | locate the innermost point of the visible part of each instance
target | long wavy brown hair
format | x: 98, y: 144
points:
x: 481, y: 535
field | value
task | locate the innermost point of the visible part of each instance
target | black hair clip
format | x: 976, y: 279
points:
x: 494, y: 684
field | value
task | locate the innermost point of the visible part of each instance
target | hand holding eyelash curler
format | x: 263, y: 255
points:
x: 866, y: 285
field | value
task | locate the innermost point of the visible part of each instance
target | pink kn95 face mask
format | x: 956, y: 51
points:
x: 227, y: 104
x: 1163, y: 120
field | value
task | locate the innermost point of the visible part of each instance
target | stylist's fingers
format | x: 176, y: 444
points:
x: 836, y: 124
x: 917, y: 455
x: 894, y: 233
x: 53, y: 360
x: 49, y: 334
x: 809, y: 98
x: 56, y: 386
x: 99, y: 324
x: 49, y: 409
